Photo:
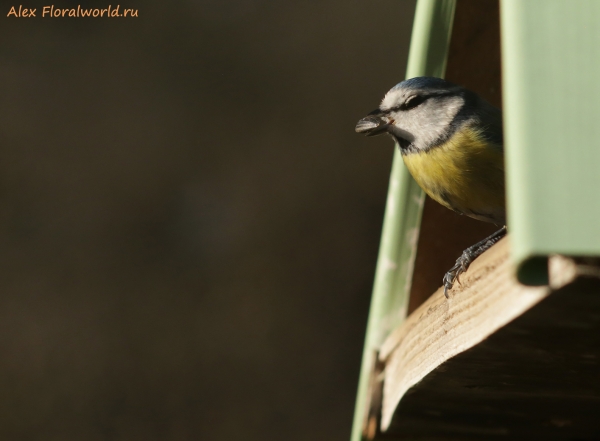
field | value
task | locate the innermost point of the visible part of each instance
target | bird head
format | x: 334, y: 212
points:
x: 418, y: 113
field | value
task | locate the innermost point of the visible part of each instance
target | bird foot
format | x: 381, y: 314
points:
x: 468, y: 256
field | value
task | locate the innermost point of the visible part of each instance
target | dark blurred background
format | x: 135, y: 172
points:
x: 188, y: 223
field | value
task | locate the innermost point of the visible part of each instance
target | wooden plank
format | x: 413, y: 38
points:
x: 487, y: 299
x: 499, y: 359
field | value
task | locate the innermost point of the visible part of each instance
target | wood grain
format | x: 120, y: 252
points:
x: 498, y: 360
x: 487, y: 298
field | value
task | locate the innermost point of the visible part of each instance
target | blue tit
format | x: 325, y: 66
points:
x: 451, y: 142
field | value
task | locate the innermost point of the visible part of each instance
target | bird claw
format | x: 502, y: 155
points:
x: 461, y: 265
x: 467, y: 257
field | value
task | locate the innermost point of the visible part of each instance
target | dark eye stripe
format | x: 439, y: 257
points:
x: 413, y: 102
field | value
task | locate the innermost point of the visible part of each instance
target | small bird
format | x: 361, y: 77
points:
x: 451, y: 142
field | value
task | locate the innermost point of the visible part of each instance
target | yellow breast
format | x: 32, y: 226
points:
x: 466, y: 174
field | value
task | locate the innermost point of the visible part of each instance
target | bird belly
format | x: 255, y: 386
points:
x: 465, y: 174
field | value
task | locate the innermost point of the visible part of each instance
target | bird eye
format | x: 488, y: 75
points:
x: 412, y: 102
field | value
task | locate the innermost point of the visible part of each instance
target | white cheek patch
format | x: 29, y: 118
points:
x: 429, y: 122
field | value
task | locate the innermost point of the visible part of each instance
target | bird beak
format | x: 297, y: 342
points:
x: 372, y: 125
